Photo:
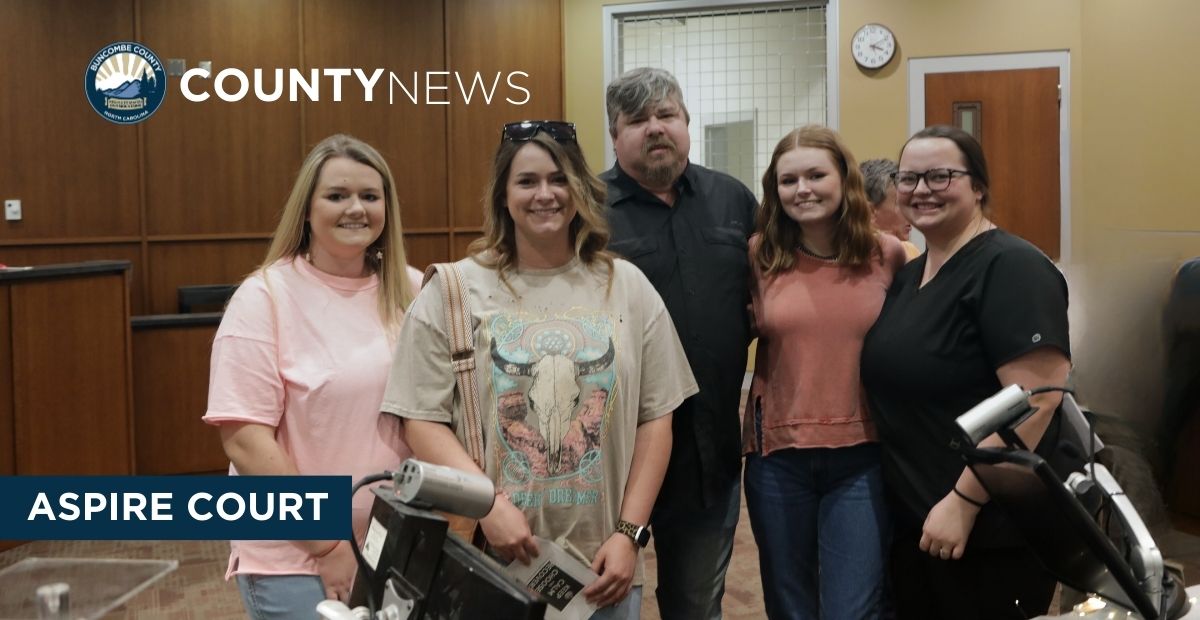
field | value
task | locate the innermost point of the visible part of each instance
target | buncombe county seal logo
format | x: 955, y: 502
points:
x: 125, y: 82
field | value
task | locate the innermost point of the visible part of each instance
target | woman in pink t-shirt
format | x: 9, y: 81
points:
x: 814, y: 490
x: 301, y: 359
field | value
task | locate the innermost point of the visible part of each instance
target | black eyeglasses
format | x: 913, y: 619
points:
x: 524, y: 131
x: 936, y: 179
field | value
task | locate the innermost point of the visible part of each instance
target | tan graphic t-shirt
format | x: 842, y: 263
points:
x: 566, y: 371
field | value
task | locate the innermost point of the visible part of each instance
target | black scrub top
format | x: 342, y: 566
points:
x: 933, y: 355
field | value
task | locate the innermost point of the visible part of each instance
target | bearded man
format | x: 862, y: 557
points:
x: 686, y: 227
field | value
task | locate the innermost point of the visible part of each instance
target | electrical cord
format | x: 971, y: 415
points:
x: 368, y: 573
x: 1009, y: 434
x: 1091, y: 455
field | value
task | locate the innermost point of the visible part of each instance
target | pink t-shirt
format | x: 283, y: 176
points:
x: 811, y: 323
x: 305, y: 352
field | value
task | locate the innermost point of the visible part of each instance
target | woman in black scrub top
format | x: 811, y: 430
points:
x: 979, y: 310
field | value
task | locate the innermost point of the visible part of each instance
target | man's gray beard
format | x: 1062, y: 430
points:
x: 662, y: 175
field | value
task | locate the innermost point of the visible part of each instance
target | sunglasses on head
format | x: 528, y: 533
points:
x: 524, y: 131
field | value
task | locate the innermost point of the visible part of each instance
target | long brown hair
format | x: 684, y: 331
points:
x: 292, y: 237
x: 854, y: 238
x: 497, y: 248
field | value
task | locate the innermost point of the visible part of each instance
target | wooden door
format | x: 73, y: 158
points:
x: 1014, y: 113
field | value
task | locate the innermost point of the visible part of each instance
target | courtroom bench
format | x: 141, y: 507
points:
x: 171, y: 355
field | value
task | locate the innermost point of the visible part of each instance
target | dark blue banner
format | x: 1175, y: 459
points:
x: 174, y: 507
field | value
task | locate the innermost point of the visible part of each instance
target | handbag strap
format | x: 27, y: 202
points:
x: 462, y: 350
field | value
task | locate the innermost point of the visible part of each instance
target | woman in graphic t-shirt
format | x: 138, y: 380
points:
x: 578, y: 370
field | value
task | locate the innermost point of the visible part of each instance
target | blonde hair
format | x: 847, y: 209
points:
x: 854, y: 238
x: 497, y: 248
x: 292, y: 237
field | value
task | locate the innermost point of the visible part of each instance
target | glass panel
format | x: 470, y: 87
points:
x: 730, y: 148
x: 967, y: 121
x: 96, y: 586
x: 749, y: 73
x: 968, y: 116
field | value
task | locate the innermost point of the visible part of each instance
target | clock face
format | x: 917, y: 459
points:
x: 873, y: 46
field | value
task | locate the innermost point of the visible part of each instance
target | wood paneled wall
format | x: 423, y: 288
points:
x: 192, y: 195
x: 216, y: 167
x: 535, y: 33
x: 8, y: 458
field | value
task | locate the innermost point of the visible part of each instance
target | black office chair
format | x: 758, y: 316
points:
x: 204, y: 297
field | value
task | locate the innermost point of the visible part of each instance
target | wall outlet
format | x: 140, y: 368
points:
x: 12, y: 210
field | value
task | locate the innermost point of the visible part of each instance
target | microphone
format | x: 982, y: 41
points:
x: 437, y: 487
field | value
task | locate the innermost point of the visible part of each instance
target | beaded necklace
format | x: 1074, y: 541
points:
x: 813, y: 254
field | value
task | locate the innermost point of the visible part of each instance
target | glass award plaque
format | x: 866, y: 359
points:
x: 34, y: 587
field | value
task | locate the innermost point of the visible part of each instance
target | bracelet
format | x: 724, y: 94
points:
x: 961, y: 495
x: 329, y: 550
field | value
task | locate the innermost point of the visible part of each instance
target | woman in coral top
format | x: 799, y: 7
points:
x: 814, y: 489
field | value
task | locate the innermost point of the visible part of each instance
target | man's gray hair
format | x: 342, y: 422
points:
x: 639, y: 88
x: 877, y: 177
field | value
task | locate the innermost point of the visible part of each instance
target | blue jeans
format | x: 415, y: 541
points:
x: 693, y: 549
x: 628, y: 609
x: 272, y: 597
x: 822, y: 529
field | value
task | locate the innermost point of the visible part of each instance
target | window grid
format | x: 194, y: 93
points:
x: 749, y: 75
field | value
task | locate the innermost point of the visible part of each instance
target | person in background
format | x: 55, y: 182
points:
x: 1181, y: 393
x: 814, y: 488
x: 686, y: 228
x: 300, y: 362
x: 580, y: 370
x: 979, y: 310
x: 881, y: 192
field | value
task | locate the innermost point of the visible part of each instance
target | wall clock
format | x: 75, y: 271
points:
x: 873, y: 46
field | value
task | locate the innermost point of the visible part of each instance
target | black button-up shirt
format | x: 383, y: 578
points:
x: 695, y: 254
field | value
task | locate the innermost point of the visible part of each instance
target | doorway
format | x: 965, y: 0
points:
x: 1018, y: 106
